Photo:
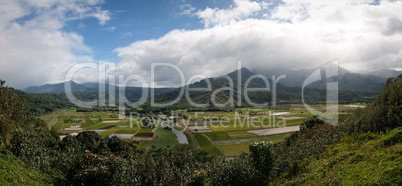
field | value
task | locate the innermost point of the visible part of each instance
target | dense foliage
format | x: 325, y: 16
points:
x: 14, y: 172
x: 384, y: 113
x: 359, y: 159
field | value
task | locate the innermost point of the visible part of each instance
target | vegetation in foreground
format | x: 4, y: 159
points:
x: 15, y: 172
x: 362, y: 159
x: 317, y: 154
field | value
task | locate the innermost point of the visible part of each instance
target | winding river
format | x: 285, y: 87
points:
x: 179, y: 134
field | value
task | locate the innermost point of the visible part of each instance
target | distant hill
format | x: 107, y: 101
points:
x: 284, y: 94
x: 346, y: 80
x: 82, y: 89
x: 353, y: 87
x: 385, y: 73
x: 58, y: 88
x: 222, y: 96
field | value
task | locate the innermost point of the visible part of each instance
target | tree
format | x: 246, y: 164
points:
x: 12, y: 112
x: 310, y: 123
x: 262, y: 157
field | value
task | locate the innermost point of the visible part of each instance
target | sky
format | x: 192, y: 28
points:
x: 41, y: 41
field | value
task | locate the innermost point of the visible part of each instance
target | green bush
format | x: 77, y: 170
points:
x: 240, y: 171
x: 357, y: 158
x: 14, y: 172
x: 310, y: 123
x: 384, y: 113
x: 393, y: 137
x: 113, y: 116
x: 261, y: 156
x: 391, y: 177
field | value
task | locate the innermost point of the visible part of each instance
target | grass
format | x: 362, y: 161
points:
x: 14, y: 172
x: 88, y: 122
x: 231, y: 135
x: 49, y: 119
x: 235, y: 149
x: 68, y: 125
x: 215, y: 136
x: 365, y: 159
x: 226, y: 142
x: 240, y: 134
x: 236, y: 146
x: 166, y: 138
x: 101, y: 125
x: 275, y: 138
x: 103, y: 114
x: 142, y: 145
x: 205, y: 144
x: 111, y: 119
x: 57, y: 126
x: 145, y: 130
x: 127, y: 131
x: 236, y: 126
x: 204, y: 115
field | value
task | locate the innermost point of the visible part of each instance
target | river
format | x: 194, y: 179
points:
x: 179, y: 134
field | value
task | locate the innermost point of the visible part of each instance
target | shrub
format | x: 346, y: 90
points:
x: 261, y: 156
x: 310, y: 123
x: 239, y: 171
x: 393, y: 137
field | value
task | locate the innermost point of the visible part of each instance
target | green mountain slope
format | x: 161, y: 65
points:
x: 364, y: 159
x: 14, y: 172
x: 57, y: 88
x: 364, y: 149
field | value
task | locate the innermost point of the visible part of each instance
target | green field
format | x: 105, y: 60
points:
x: 242, y: 125
x: 142, y: 145
x: 229, y: 131
x: 234, y: 147
x: 228, y: 136
x: 166, y: 138
x: 127, y: 131
x: 91, y: 121
x: 205, y: 144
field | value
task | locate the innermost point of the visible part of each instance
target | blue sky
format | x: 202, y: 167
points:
x: 42, y: 40
x: 136, y: 20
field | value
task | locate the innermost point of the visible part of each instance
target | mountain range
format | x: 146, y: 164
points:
x: 284, y: 94
x: 373, y: 81
x: 352, y: 87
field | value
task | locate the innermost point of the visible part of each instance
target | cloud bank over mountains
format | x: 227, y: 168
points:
x: 363, y: 35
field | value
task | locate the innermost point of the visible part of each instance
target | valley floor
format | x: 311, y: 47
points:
x: 223, y: 133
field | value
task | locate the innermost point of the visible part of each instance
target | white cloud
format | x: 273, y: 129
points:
x: 291, y: 34
x: 187, y: 9
x: 110, y: 29
x: 33, y: 47
x: 242, y: 9
x: 295, y: 35
x: 102, y: 15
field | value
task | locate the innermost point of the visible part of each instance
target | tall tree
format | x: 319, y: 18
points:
x: 12, y: 112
